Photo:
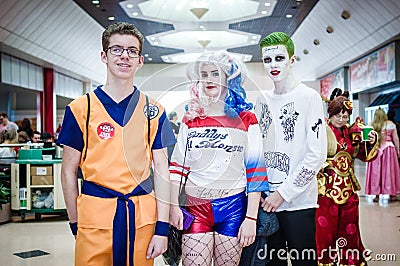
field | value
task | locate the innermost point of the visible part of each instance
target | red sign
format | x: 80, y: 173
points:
x: 334, y: 80
x: 373, y: 70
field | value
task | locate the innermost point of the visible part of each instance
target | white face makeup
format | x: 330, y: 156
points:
x: 214, y: 82
x: 276, y: 62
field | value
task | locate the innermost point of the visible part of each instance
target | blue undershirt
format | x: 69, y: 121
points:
x: 72, y: 136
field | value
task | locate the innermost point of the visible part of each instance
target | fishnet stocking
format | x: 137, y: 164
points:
x: 227, y: 250
x: 197, y: 249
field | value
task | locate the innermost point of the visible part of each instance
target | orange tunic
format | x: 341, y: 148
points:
x: 118, y: 158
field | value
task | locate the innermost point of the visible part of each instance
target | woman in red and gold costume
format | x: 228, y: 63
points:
x: 337, y: 218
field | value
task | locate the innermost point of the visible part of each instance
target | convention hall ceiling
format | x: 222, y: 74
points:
x: 64, y: 34
x: 179, y: 30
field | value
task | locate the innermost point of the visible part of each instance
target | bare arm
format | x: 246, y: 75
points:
x: 247, y: 230
x: 162, y: 188
x: 69, y: 168
x: 396, y: 141
x: 252, y: 205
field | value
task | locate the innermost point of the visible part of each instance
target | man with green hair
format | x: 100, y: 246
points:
x: 292, y: 123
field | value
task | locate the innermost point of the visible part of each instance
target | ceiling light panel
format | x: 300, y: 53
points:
x: 191, y: 20
x: 202, y: 10
x: 217, y: 39
x: 191, y: 57
x: 180, y: 57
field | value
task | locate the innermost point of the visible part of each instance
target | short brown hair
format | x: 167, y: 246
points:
x: 121, y: 28
x: 337, y: 106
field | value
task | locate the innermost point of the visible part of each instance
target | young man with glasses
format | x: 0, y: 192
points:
x: 117, y: 219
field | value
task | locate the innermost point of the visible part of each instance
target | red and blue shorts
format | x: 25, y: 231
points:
x: 223, y: 215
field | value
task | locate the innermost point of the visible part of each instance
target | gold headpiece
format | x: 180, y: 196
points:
x: 348, y: 105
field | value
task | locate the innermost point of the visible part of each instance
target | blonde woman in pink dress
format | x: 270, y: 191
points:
x: 383, y: 174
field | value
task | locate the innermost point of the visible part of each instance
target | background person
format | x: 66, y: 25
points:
x: 293, y: 133
x: 6, y: 124
x: 46, y: 137
x: 26, y: 126
x: 219, y: 144
x: 23, y: 137
x: 36, y: 137
x: 383, y: 174
x: 392, y: 117
x: 8, y: 155
x: 173, y: 119
x: 338, y: 213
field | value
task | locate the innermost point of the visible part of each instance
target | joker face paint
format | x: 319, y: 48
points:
x: 276, y: 62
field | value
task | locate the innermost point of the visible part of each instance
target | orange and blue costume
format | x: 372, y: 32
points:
x: 115, y: 171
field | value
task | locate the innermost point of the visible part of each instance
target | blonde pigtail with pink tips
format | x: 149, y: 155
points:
x: 194, y: 108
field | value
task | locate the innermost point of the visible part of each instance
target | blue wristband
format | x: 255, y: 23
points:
x: 162, y: 228
x: 74, y: 228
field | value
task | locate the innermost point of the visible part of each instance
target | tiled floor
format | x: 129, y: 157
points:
x: 51, y: 235
x: 380, y: 228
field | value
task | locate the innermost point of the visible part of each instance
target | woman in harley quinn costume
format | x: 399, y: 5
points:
x: 225, y: 173
x: 337, y: 217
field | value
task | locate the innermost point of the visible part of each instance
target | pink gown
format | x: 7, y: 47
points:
x: 383, y: 174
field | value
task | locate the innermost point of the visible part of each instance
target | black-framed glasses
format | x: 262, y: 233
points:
x: 118, y: 50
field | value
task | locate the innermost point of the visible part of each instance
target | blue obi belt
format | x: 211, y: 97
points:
x: 120, y: 227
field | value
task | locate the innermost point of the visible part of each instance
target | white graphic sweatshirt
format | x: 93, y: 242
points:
x: 294, y: 142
